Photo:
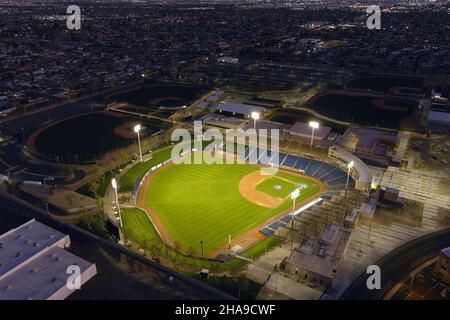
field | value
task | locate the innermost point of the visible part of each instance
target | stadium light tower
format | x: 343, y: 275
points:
x: 349, y: 167
x: 114, y: 185
x: 314, y: 125
x: 294, y: 195
x: 137, y: 129
x: 255, y: 116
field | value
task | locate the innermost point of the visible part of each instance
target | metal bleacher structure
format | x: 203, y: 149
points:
x: 331, y: 206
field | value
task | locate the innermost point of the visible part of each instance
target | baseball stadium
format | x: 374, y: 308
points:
x: 228, y: 208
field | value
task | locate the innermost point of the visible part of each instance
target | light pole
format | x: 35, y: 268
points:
x: 294, y: 195
x: 137, y: 129
x: 114, y: 185
x: 349, y: 167
x: 255, y: 116
x: 313, y: 125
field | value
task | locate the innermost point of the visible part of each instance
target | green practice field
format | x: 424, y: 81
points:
x: 203, y: 202
x: 282, y: 185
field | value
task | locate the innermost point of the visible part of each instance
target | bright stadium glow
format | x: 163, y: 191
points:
x: 295, y: 194
x: 137, y: 129
x: 114, y: 183
x: 350, y: 164
x: 314, y: 124
x: 255, y: 115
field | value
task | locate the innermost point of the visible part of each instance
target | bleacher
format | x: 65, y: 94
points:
x: 323, y: 169
x: 282, y: 157
x: 330, y: 174
x: 337, y: 181
x: 290, y: 161
x: 302, y: 163
x: 312, y: 167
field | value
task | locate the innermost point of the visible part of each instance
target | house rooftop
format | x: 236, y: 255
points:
x: 239, y: 108
x: 303, y: 129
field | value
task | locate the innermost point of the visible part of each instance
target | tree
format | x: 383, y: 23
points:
x: 94, y: 187
x: 69, y: 198
x: 69, y: 171
x: 192, y: 253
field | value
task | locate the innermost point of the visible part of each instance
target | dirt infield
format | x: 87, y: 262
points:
x: 247, y: 188
x: 253, y: 235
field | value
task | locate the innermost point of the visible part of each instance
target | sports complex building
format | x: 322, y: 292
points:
x: 323, y: 182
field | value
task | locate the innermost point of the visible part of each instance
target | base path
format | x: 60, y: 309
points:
x: 247, y: 188
x: 253, y: 235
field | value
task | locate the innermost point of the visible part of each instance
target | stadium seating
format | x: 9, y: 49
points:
x: 282, y: 157
x: 337, y: 181
x: 290, y: 161
x: 323, y: 169
x: 326, y: 172
x: 312, y: 167
x: 302, y: 163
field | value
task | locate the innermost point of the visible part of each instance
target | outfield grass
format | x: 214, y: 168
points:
x: 202, y: 202
x: 136, y: 173
x: 138, y: 229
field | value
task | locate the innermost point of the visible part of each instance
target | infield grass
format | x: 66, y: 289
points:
x: 276, y: 187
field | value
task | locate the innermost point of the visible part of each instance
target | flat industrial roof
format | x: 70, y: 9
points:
x: 439, y: 116
x: 326, y: 265
x: 301, y: 128
x: 268, y: 125
x: 446, y: 252
x: 20, y: 244
x: 239, y: 108
x: 44, y: 277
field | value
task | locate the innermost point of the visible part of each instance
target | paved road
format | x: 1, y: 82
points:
x: 398, y: 263
x: 35, y: 118
x: 20, y: 166
x: 122, y: 274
